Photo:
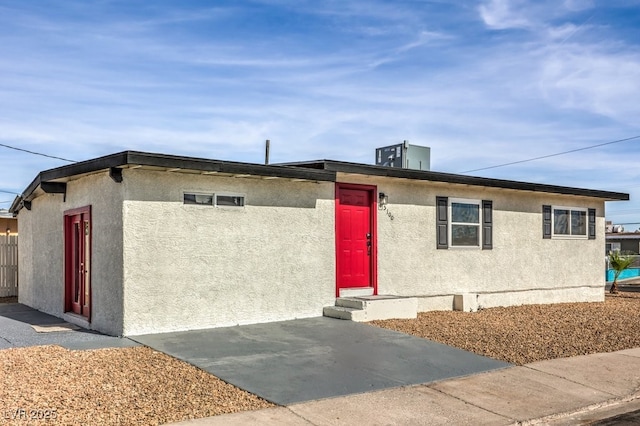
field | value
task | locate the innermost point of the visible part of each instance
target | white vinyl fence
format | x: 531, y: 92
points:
x: 8, y: 265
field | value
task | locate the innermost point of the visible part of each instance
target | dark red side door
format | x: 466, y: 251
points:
x: 354, y: 237
x: 77, y: 232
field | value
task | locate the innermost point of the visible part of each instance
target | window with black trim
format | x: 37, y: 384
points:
x: 568, y: 222
x: 462, y: 222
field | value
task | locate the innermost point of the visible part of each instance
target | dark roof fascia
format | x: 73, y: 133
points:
x: 15, y: 205
x: 126, y: 158
x: 179, y: 162
x: 345, y: 167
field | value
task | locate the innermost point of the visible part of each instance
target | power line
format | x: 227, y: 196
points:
x: 8, y: 192
x: 38, y: 153
x: 552, y: 155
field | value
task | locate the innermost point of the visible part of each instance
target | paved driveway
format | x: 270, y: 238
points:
x: 16, y: 330
x: 307, y: 359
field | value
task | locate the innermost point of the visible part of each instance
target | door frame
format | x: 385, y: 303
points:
x: 373, y: 221
x: 85, y: 213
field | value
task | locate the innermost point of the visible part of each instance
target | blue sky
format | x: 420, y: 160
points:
x: 480, y: 82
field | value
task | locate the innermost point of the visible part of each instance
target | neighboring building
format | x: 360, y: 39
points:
x: 8, y: 223
x: 135, y: 243
x: 627, y: 242
x: 8, y: 254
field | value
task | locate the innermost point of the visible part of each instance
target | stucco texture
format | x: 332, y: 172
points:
x: 41, y: 251
x: 160, y: 265
x: 521, y: 268
x: 197, y: 266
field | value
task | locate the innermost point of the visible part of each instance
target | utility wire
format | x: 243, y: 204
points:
x: 8, y: 192
x: 38, y: 153
x: 552, y: 155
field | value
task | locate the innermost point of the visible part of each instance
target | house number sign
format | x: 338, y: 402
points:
x: 389, y: 214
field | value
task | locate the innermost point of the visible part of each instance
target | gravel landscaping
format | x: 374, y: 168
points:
x: 524, y: 334
x: 136, y: 386
x: 130, y: 386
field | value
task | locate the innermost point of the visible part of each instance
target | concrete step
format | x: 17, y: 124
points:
x: 369, y: 308
x: 340, y: 312
x: 356, y: 292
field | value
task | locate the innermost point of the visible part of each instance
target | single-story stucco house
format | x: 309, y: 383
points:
x: 135, y: 243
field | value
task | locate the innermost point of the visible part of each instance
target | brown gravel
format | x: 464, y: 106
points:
x: 130, y: 386
x: 524, y: 334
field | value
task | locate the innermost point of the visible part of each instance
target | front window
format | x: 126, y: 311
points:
x: 569, y: 222
x: 465, y: 222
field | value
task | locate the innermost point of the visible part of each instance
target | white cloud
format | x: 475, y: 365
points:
x: 504, y: 14
x: 600, y: 80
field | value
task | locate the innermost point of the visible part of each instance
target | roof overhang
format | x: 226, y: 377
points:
x: 55, y: 180
x: 364, y: 169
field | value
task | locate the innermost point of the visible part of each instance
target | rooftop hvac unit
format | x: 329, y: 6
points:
x: 618, y: 229
x: 404, y: 156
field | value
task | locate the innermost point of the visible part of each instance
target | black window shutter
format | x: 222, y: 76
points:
x: 487, y: 225
x: 592, y: 224
x: 442, y: 204
x: 546, y: 222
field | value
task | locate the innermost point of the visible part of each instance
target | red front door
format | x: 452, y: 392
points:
x: 77, y: 232
x: 355, y: 240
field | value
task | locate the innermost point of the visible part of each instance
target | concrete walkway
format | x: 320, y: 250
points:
x: 22, y: 326
x: 307, y: 359
x: 567, y: 391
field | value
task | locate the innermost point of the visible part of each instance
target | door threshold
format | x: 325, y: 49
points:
x: 355, y: 292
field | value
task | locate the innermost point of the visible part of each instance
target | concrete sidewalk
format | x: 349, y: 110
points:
x: 577, y: 390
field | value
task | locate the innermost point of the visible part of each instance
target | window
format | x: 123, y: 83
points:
x: 568, y: 222
x: 199, y: 199
x: 464, y: 223
x: 229, y: 201
x: 218, y: 200
x: 612, y: 247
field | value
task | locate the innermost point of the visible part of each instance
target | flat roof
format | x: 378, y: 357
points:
x: 357, y: 168
x: 319, y: 170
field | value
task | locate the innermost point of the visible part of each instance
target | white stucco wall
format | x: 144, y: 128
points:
x: 41, y: 251
x: 190, y: 266
x: 521, y: 268
x: 160, y: 265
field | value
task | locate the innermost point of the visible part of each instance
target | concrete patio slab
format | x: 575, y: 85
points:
x: 521, y: 393
x: 17, y: 323
x: 415, y: 405
x: 598, y: 371
x: 314, y: 358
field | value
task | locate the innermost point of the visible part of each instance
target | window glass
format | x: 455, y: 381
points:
x: 202, y: 199
x: 465, y: 222
x: 465, y: 235
x: 229, y: 200
x: 578, y: 222
x: 561, y: 222
x: 570, y: 222
x: 465, y: 213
